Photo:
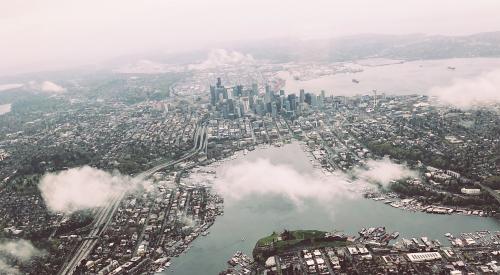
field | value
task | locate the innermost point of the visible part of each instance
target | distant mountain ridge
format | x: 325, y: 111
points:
x: 408, y: 47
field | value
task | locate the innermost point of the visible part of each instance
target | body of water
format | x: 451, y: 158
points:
x: 406, y: 78
x: 250, y: 218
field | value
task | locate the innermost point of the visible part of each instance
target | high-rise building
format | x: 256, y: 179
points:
x: 268, y: 96
x: 307, y: 99
x: 302, y: 97
x: 255, y: 89
x: 292, y: 98
x: 245, y: 105
x: 274, y: 109
x: 213, y: 95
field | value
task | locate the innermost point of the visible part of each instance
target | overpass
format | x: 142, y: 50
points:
x: 489, y: 190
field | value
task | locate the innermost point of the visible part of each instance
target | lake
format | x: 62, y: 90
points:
x: 253, y: 216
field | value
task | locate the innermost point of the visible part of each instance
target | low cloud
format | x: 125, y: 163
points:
x: 85, y: 187
x: 468, y: 92
x: 261, y: 178
x: 45, y: 86
x: 383, y: 172
x: 10, y: 86
x: 221, y: 57
x: 49, y: 86
x: 145, y: 66
x: 264, y: 178
x: 16, y: 251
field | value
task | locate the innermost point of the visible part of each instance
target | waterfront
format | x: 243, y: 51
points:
x: 251, y: 217
x: 399, y: 78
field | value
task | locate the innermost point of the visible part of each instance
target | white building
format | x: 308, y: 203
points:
x: 471, y: 191
x: 424, y: 256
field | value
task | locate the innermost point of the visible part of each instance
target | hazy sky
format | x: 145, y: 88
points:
x: 53, y: 34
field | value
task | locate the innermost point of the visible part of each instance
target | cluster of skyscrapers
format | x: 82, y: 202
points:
x: 237, y: 101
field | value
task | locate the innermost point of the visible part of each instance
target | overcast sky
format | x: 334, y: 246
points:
x: 54, y: 34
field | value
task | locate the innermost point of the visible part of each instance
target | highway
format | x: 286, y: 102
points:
x: 105, y: 214
x: 492, y: 192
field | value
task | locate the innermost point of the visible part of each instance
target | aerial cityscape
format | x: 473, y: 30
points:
x: 373, y: 150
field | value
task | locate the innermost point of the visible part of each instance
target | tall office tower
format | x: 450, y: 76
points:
x: 234, y: 93
x: 213, y: 95
x: 267, y: 96
x: 323, y: 95
x: 307, y: 99
x: 255, y: 89
x: 219, y: 83
x: 282, y: 92
x: 230, y: 103
x: 251, y: 101
x: 245, y: 105
x: 314, y: 100
x: 274, y: 109
x: 321, y: 101
x: 302, y: 97
x: 286, y: 105
x: 223, y: 90
x: 260, y: 107
x: 292, y: 98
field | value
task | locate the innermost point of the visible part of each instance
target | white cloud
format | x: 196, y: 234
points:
x: 468, y: 92
x: 85, y: 187
x: 221, y: 57
x: 263, y: 178
x: 45, y: 86
x: 20, y: 250
x: 49, y: 86
x: 10, y: 86
x: 383, y: 172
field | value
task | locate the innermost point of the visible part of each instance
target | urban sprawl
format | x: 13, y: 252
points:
x: 182, y: 125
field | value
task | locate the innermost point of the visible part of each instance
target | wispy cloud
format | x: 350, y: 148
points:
x: 19, y: 250
x: 45, y: 86
x: 221, y: 57
x: 10, y: 86
x: 49, y: 86
x: 85, y: 187
x: 263, y: 178
x: 468, y: 92
x: 383, y: 172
